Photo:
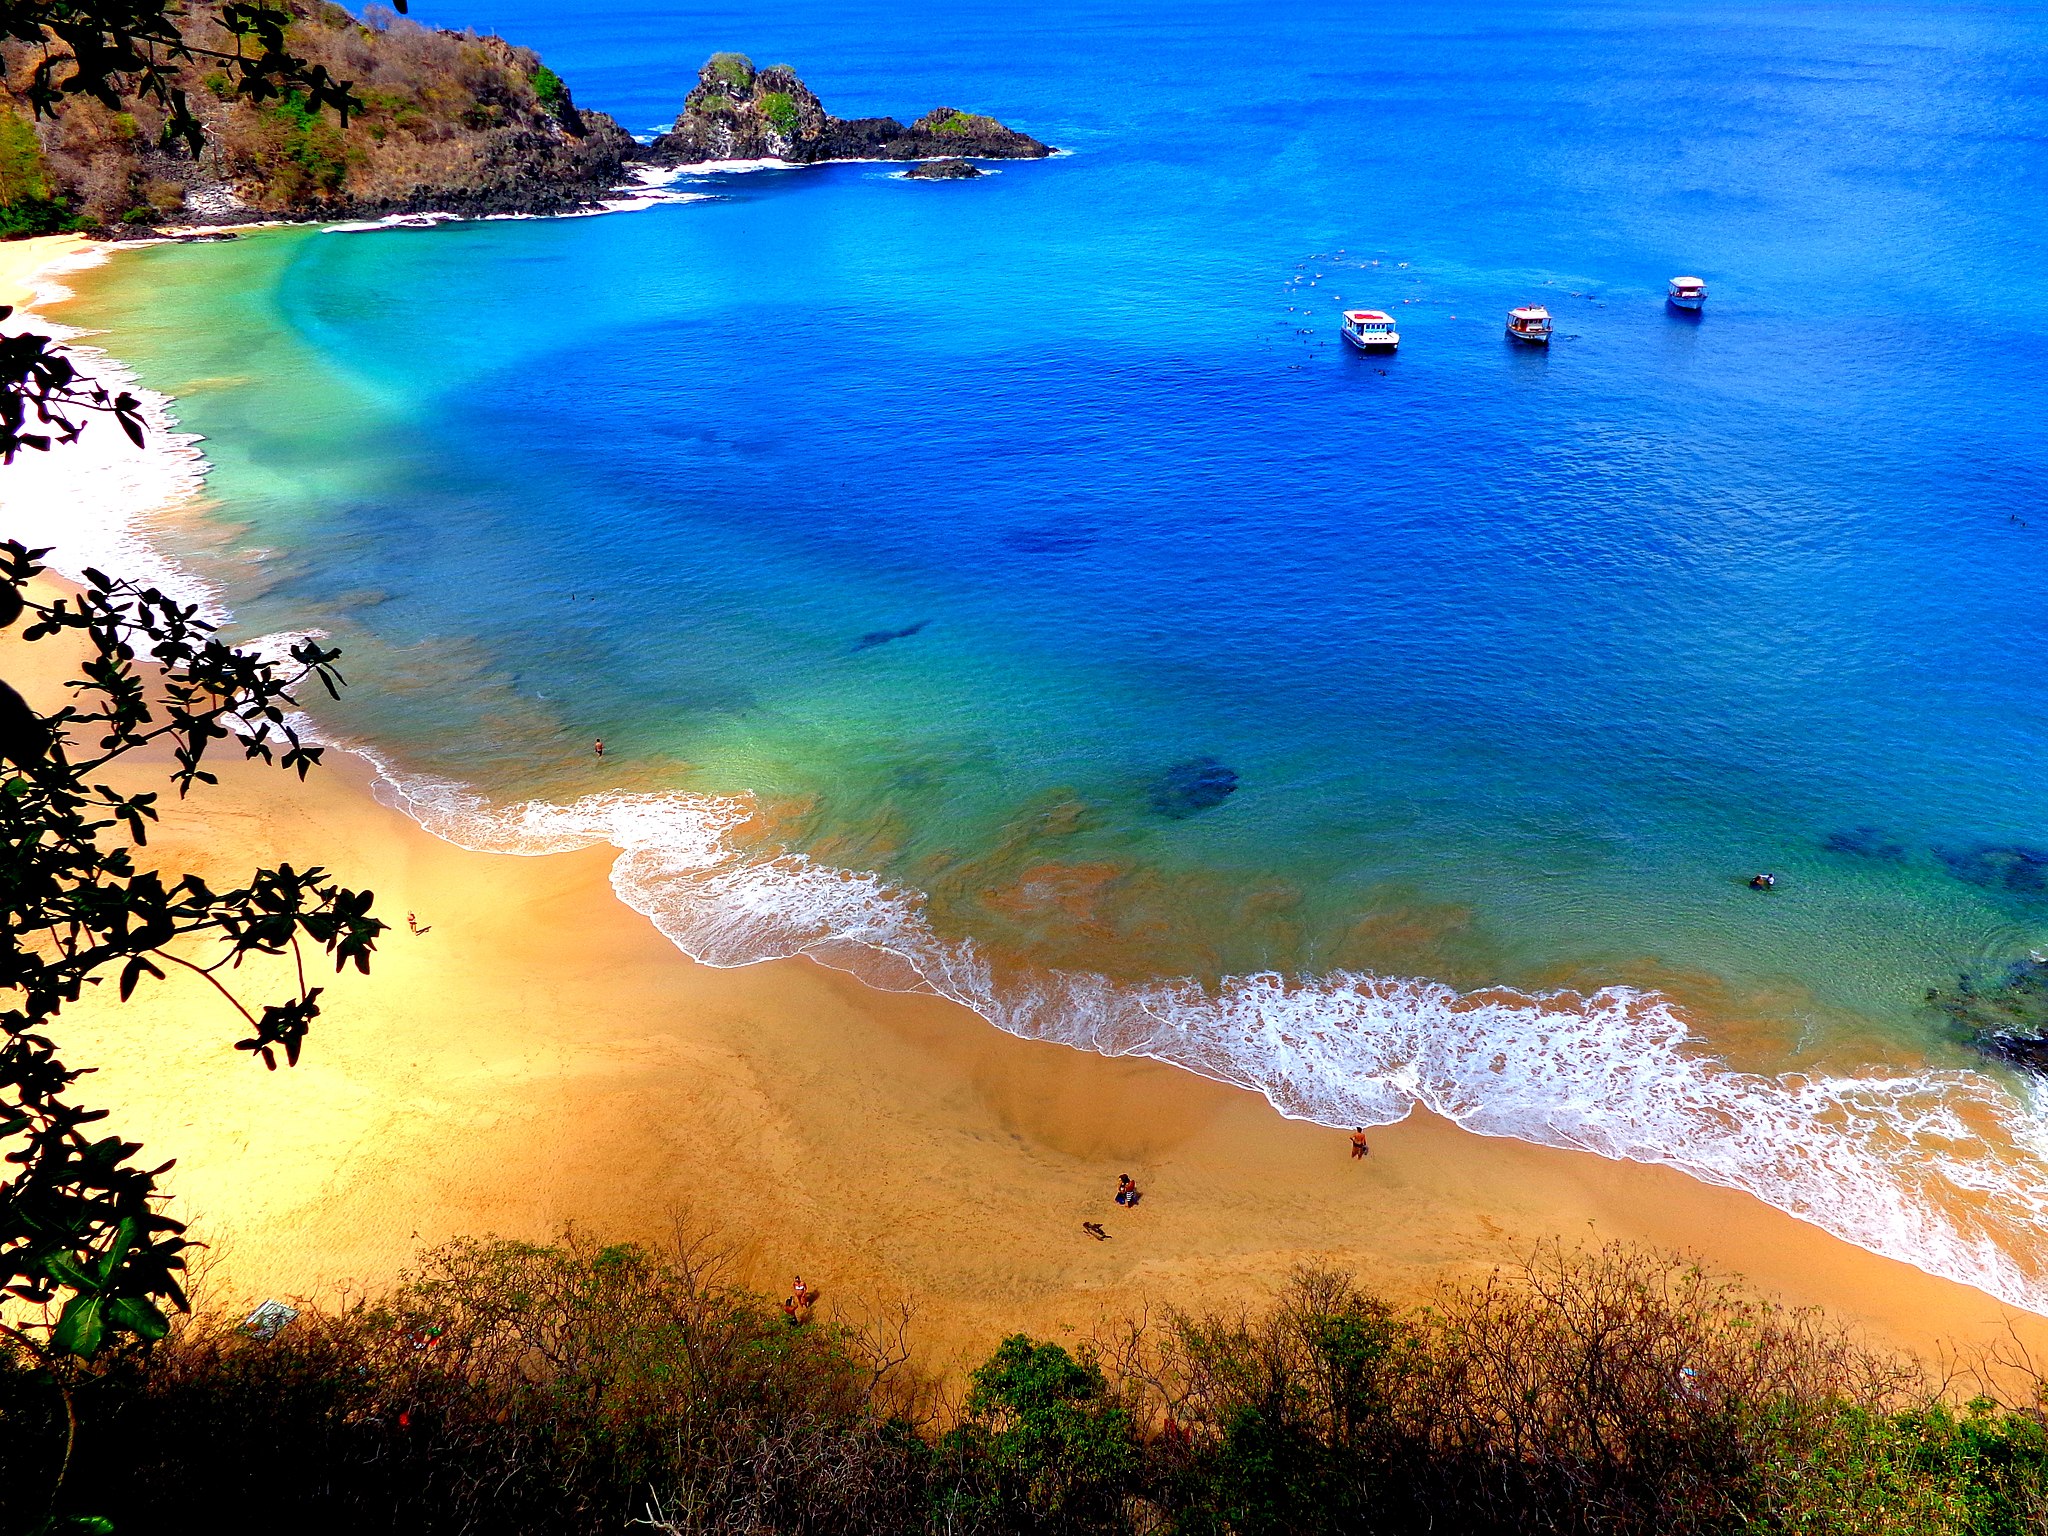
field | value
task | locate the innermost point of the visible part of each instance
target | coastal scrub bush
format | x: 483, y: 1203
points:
x: 306, y: 154
x: 962, y: 123
x: 584, y: 1387
x: 548, y: 88
x: 735, y: 70
x: 1061, y: 1448
x: 511, y: 1387
x: 27, y: 203
x: 23, y: 176
x: 780, y: 109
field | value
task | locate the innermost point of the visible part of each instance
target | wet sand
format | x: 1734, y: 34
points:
x: 541, y: 1056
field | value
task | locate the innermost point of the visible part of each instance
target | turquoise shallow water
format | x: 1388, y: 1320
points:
x: 1519, y: 663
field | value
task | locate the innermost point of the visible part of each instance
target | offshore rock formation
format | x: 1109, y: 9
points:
x: 451, y: 122
x: 739, y: 113
x: 944, y: 170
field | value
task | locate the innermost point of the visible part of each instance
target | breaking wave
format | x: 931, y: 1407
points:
x: 1947, y: 1170
x: 1943, y: 1170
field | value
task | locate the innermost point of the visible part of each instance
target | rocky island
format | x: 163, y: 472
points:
x: 737, y: 112
x: 944, y: 170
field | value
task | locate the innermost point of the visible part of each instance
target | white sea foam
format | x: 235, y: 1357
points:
x: 97, y: 502
x: 1944, y: 1170
x: 389, y: 221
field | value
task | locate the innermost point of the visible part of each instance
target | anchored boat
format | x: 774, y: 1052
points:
x: 1371, y: 329
x: 1687, y: 293
x: 1530, y: 323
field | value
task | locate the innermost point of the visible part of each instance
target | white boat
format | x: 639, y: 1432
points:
x: 1530, y: 323
x: 1687, y: 293
x: 1371, y: 329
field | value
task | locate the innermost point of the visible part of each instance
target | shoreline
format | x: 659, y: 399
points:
x: 864, y: 1127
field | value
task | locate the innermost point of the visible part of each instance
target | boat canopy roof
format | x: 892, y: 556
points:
x: 1687, y: 282
x: 1367, y: 314
x: 1530, y: 312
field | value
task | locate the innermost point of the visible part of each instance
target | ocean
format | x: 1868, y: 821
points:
x: 1014, y: 588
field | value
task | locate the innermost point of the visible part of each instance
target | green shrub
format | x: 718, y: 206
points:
x: 1063, y: 1448
x: 734, y: 69
x: 23, y: 175
x: 548, y: 88
x: 965, y: 123
x: 780, y: 109
x: 718, y: 106
x: 309, y: 153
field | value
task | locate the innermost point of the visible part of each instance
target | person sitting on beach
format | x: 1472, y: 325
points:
x: 1358, y: 1146
x: 1126, y: 1190
x: 789, y: 1311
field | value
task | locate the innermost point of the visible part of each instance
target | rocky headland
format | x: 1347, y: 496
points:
x: 737, y: 112
x: 450, y: 122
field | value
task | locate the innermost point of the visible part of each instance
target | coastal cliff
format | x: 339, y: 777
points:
x: 736, y: 112
x: 450, y: 121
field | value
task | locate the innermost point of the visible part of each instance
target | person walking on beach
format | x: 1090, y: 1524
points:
x: 1358, y: 1146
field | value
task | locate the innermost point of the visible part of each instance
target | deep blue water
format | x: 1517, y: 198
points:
x: 1522, y: 662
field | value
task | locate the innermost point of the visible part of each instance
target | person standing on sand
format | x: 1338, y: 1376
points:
x: 1358, y: 1146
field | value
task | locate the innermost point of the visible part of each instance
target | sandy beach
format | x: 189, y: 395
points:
x: 540, y: 1056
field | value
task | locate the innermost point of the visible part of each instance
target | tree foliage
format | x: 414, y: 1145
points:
x: 89, y: 1261
x: 119, y: 51
x: 87, y: 1256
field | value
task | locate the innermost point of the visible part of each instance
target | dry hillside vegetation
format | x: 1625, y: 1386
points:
x: 449, y: 121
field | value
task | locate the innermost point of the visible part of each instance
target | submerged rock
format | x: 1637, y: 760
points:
x: 2006, y: 1019
x: 1864, y: 843
x: 736, y: 112
x: 944, y: 170
x: 1188, y: 788
x: 875, y: 637
x: 2008, y: 867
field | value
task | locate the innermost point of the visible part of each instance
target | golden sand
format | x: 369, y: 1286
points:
x: 541, y: 1056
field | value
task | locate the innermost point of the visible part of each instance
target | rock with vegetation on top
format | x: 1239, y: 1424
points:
x: 944, y: 170
x: 737, y: 112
